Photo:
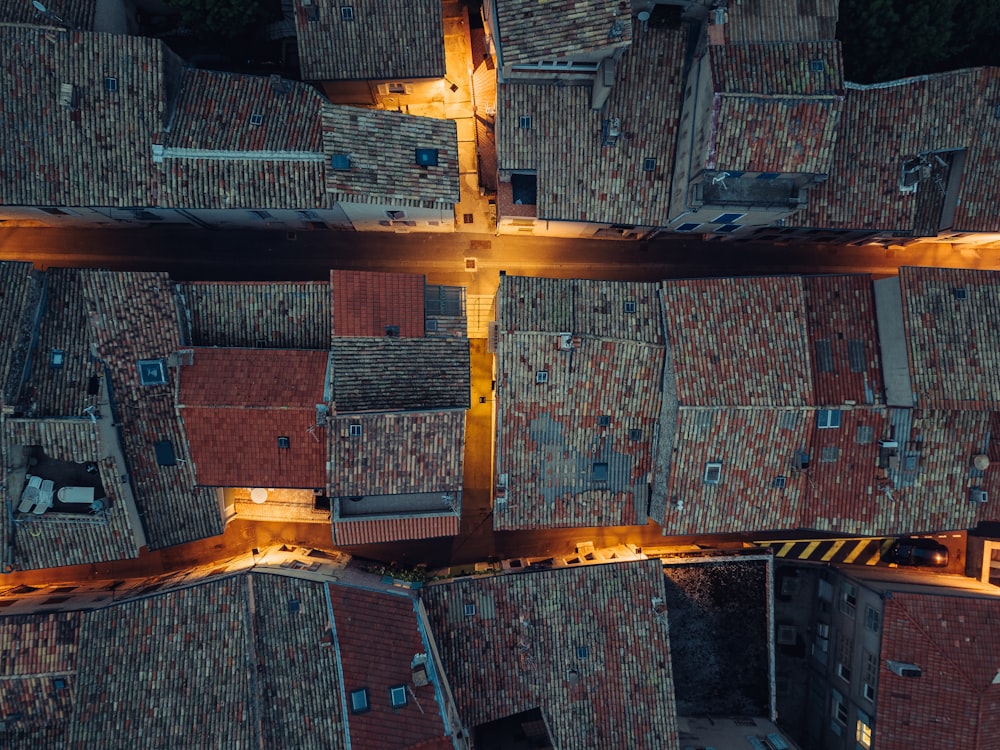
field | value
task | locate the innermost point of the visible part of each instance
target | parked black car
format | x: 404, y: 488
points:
x: 919, y: 551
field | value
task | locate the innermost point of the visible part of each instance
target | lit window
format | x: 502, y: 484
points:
x: 359, y: 701
x: 864, y: 730
x: 828, y: 419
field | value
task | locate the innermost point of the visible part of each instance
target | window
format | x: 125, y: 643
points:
x: 396, y: 215
x: 768, y: 175
x: 524, y: 122
x: 648, y: 164
x: 727, y: 218
x: 839, y: 707
x: 848, y: 599
x: 284, y: 442
x: 426, y: 157
x: 824, y: 355
x: 863, y: 731
x: 843, y: 672
x: 397, y: 696
x: 346, y: 13
x: 778, y: 482
x: 604, y: 420
x: 392, y: 332
x: 355, y: 430
x: 845, y: 656
x: 470, y: 610
x: 542, y: 376
x: 600, y: 472
x: 728, y: 228
x: 629, y: 306
x: 340, y: 162
x: 256, y: 119
x: 873, y: 619
x: 635, y: 435
x: 817, y: 66
x: 869, y: 692
x: 164, y: 452
x: 56, y: 359
x: 856, y: 355
x: 397, y: 88
x: 152, y: 372
x: 687, y: 227
x: 359, y: 701
x: 264, y: 215
x: 829, y: 454
x: 713, y: 472
x: 582, y: 652
x: 110, y: 84
x: 828, y: 419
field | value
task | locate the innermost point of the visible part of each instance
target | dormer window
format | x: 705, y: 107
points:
x: 110, y: 84
x: 152, y: 372
x: 284, y: 442
x: 359, y: 701
x: 355, y: 430
x: 397, y: 696
x: 713, y: 472
x: 256, y: 119
x: 426, y: 157
x: 828, y: 419
x: 542, y: 376
x: 346, y: 13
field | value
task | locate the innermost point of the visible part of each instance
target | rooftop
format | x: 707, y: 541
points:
x: 530, y: 31
x: 17, y: 290
x: 271, y: 314
x: 956, y: 647
x: 368, y: 303
x: 375, y: 39
x: 381, y: 149
x: 886, y: 125
x: 263, y: 402
x: 588, y: 646
x: 578, y: 178
x: 133, y: 318
x: 390, y: 374
x: 805, y: 20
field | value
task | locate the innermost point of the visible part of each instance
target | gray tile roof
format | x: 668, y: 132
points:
x: 133, y: 317
x: 578, y: 179
x: 531, y: 31
x: 391, y: 374
x: 56, y: 539
x: 272, y: 314
x: 62, y: 391
x: 525, y: 634
x: 397, y: 453
x: 384, y: 39
x: 381, y: 147
x: 98, y: 154
x: 952, y: 343
x: 576, y: 449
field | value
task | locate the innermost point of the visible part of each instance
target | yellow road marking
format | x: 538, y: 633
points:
x: 828, y: 555
x: 785, y: 549
x: 810, y: 548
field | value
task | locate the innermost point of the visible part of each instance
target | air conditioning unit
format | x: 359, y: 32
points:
x: 978, y: 495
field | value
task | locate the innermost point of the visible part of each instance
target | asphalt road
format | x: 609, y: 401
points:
x: 469, y: 260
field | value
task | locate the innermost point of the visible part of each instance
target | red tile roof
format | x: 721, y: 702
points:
x: 952, y: 343
x: 844, y: 338
x: 365, y: 303
x: 374, y: 530
x: 16, y: 285
x: 236, y: 403
x: 777, y: 69
x: 955, y: 702
x: 739, y: 341
x: 766, y: 21
x: 378, y: 635
x: 519, y: 651
x: 530, y: 31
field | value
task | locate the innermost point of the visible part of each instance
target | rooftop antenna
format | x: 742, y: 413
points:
x: 89, y: 411
x: 40, y: 7
x: 720, y: 179
x: 643, y: 17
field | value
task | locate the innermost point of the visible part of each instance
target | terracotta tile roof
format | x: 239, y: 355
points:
x: 62, y: 391
x: 246, y: 183
x: 271, y: 314
x: 347, y: 532
x: 390, y: 374
x: 844, y: 339
x: 236, y: 405
x: 739, y: 341
x: 133, y: 317
x: 79, y: 13
x: 953, y: 351
x: 886, y: 124
x: 777, y: 69
x: 765, y: 21
x: 366, y: 303
x: 382, y: 150
x: 384, y: 39
x: 526, y: 632
x: 561, y: 464
x: 753, y: 446
x: 16, y: 292
x: 35, y: 651
x: 530, y: 31
x: 955, y: 643
x: 378, y: 635
x: 98, y: 154
x: 397, y: 453
x: 48, y: 541
x: 577, y: 178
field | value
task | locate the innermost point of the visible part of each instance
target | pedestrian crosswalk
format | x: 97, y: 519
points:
x: 856, y: 550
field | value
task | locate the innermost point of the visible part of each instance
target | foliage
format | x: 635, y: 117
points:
x: 225, y: 18
x: 888, y: 39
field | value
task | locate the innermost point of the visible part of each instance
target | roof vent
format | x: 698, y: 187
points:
x: 902, y: 668
x: 978, y: 495
x: 69, y: 96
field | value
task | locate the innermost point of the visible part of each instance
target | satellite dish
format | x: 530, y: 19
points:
x: 258, y: 495
x: 39, y: 7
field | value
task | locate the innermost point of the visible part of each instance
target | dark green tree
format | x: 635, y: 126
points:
x: 226, y: 18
